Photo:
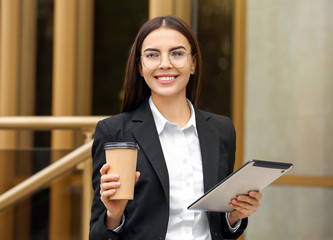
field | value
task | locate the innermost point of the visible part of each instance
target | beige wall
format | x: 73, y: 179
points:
x: 289, y: 112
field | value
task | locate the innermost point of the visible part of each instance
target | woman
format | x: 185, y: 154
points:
x: 183, y: 151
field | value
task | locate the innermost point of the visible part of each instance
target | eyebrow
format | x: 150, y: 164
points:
x: 157, y: 50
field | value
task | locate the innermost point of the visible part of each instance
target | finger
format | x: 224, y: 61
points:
x: 241, y: 204
x: 238, y: 204
x: 137, y: 175
x: 104, y: 169
x: 109, y: 185
x: 244, y: 210
x: 109, y: 178
x: 249, y: 200
x: 241, y: 213
x: 256, y: 195
x: 108, y: 194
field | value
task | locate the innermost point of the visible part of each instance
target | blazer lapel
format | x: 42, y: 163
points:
x: 210, y: 151
x: 146, y: 136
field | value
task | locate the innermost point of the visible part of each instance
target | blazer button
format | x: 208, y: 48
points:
x: 215, y: 235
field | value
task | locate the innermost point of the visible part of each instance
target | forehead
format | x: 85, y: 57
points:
x: 165, y: 39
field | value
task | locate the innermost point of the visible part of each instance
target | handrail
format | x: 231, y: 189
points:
x: 49, y: 122
x: 45, y: 176
x: 81, y: 155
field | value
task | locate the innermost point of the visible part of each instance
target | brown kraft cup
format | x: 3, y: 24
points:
x: 122, y: 157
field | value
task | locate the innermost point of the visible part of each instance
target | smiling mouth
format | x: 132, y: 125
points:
x: 166, y: 78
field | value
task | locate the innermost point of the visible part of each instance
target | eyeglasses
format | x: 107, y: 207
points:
x: 153, y: 60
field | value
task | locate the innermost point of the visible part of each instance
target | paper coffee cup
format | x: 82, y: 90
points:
x: 122, y: 156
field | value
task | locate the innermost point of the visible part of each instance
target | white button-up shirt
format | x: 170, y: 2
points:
x: 182, y: 154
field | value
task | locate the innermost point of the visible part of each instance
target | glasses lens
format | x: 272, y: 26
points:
x: 178, y: 59
x: 151, y: 60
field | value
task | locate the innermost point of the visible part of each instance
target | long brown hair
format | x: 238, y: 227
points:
x: 135, y: 88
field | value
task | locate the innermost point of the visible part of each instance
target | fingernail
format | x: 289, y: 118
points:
x: 117, y: 184
x: 105, y: 165
x: 113, y: 191
x: 239, y: 198
x: 116, y: 176
x: 252, y: 194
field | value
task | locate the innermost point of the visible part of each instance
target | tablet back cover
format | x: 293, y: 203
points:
x: 253, y: 175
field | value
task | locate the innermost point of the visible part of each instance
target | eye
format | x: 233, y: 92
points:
x: 178, y: 54
x: 152, y: 55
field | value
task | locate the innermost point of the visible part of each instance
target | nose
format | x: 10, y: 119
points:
x: 165, y: 61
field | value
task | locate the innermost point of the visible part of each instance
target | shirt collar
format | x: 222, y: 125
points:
x: 161, y: 122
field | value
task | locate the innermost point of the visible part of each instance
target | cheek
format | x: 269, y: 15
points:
x: 187, y: 73
x: 148, y: 76
x: 146, y: 73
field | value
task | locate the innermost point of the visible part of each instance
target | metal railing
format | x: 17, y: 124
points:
x: 57, y: 169
x: 50, y: 123
x: 45, y: 176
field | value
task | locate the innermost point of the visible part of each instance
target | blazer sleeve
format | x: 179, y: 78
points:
x: 227, y: 132
x: 232, y: 150
x: 98, y: 228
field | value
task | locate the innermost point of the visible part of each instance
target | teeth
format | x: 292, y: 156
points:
x: 166, y: 78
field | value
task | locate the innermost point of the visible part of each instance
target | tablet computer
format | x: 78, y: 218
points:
x: 253, y: 175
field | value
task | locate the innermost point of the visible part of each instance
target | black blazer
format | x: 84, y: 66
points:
x: 147, y: 215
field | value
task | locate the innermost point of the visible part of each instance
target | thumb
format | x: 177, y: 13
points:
x: 137, y: 175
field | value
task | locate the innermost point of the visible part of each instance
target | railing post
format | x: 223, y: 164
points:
x: 9, y: 72
x: 63, y: 92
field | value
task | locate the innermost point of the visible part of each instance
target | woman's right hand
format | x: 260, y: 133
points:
x: 109, y: 186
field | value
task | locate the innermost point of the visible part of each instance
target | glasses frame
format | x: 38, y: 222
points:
x: 170, y: 61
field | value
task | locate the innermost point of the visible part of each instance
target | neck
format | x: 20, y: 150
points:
x: 175, y: 110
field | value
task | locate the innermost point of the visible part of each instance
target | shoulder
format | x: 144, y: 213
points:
x: 111, y: 129
x: 117, y: 119
x: 114, y: 125
x: 218, y: 121
x: 217, y: 124
x: 120, y: 125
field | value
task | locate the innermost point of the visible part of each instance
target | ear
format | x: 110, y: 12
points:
x: 194, y: 64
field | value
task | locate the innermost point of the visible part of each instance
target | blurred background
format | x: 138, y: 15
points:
x: 267, y: 64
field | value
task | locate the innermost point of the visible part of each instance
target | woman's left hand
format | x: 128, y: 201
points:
x: 244, y: 206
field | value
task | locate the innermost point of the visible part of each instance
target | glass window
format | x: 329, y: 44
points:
x: 214, y: 33
x: 116, y: 25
